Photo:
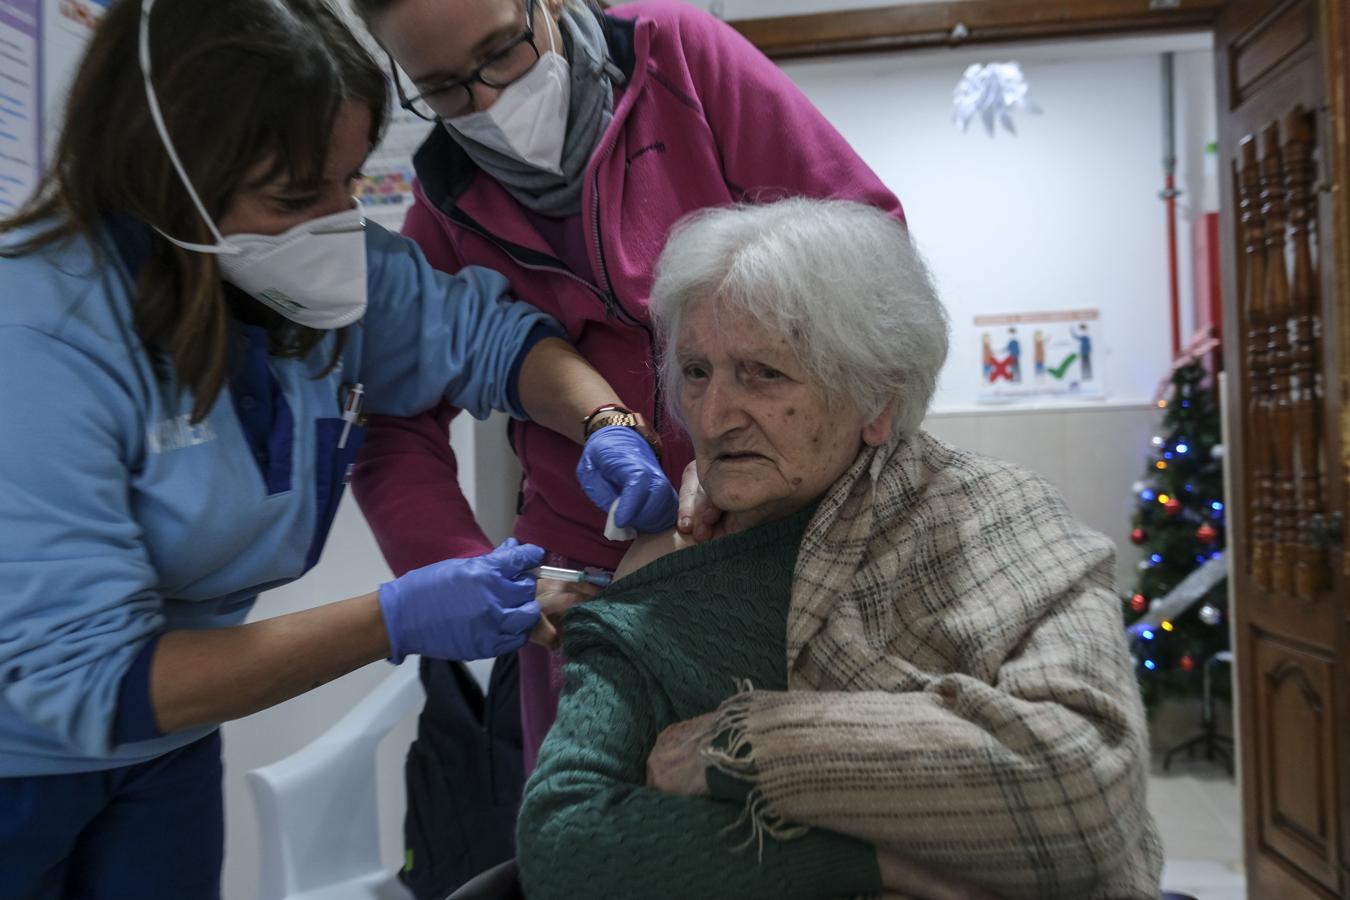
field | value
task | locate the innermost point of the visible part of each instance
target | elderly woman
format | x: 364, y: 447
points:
x: 897, y: 663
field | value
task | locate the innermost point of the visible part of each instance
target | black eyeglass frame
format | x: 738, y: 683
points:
x: 474, y: 77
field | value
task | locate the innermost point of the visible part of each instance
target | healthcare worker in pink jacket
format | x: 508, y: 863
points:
x: 564, y: 144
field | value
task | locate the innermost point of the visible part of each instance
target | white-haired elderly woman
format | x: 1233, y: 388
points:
x: 898, y: 666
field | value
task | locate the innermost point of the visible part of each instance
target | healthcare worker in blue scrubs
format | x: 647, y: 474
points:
x: 192, y: 318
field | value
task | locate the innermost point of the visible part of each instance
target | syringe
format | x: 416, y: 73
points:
x: 576, y: 576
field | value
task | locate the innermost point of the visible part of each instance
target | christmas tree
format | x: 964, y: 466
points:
x: 1179, y: 522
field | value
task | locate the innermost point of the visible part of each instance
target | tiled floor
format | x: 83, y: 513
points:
x: 1197, y: 810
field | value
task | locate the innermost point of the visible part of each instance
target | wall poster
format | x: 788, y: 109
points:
x: 386, y: 191
x: 80, y: 16
x: 20, y: 102
x: 1040, y: 355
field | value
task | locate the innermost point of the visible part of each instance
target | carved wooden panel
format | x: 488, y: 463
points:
x: 1258, y: 438
x: 1281, y: 304
x: 1277, y: 359
x: 1336, y: 14
x: 1311, y: 562
x: 1297, y: 766
x: 1263, y: 49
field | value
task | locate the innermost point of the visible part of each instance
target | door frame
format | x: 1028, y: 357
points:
x: 952, y: 24
x: 1336, y: 27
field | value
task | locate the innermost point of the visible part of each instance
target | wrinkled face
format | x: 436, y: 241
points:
x: 276, y: 206
x: 439, y: 41
x: 766, y: 440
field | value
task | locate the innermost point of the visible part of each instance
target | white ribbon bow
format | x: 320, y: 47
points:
x: 992, y: 92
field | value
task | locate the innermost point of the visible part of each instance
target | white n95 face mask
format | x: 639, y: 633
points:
x: 528, y: 121
x: 314, y: 274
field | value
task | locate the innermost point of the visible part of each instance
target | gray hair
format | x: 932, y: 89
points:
x: 840, y: 280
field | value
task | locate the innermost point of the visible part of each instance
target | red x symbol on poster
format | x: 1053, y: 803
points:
x: 1001, y: 369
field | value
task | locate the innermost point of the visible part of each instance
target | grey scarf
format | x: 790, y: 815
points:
x: 589, y: 114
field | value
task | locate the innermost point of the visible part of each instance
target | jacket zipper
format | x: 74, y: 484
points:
x: 613, y: 308
x: 470, y: 225
x: 658, y: 403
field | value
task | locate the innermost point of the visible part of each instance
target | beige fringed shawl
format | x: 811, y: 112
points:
x: 960, y: 687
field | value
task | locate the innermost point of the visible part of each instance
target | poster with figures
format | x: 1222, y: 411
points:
x: 66, y: 28
x: 1040, y: 355
x: 80, y: 16
x: 386, y: 190
x: 20, y: 103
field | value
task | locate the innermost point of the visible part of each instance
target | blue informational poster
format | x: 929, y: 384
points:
x: 20, y: 101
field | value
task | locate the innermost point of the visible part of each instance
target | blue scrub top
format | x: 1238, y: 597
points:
x: 120, y: 518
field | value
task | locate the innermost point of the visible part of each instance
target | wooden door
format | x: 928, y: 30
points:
x: 1282, y: 141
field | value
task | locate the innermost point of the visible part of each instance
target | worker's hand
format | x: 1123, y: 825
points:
x: 617, y: 463
x: 475, y: 608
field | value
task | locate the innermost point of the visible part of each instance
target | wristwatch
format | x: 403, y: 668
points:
x: 613, y: 414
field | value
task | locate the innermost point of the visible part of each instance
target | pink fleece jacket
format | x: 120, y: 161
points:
x: 703, y: 120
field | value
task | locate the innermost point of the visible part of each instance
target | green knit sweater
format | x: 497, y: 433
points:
x: 668, y: 643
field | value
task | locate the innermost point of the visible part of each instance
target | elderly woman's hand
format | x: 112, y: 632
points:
x: 676, y: 765
x: 556, y: 598
x: 697, y: 514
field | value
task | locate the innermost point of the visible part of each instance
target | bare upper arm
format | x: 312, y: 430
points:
x: 648, y: 548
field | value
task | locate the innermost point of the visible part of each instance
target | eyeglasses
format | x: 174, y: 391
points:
x: 455, y: 97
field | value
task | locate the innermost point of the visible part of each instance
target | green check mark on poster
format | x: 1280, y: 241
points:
x: 1058, y: 371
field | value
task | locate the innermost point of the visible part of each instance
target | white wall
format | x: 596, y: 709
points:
x: 1064, y: 216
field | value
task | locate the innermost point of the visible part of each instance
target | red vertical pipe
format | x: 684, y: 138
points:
x: 1170, y: 194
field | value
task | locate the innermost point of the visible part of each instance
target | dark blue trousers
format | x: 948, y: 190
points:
x: 154, y: 831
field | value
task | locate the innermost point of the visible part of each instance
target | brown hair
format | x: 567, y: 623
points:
x: 240, y: 83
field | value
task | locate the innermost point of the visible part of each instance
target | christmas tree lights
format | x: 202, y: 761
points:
x: 1179, y: 522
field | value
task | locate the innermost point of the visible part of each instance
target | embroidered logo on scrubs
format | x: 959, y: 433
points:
x: 284, y: 301
x: 177, y: 433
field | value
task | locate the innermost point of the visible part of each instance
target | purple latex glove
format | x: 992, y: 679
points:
x: 474, y: 608
x: 617, y: 463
